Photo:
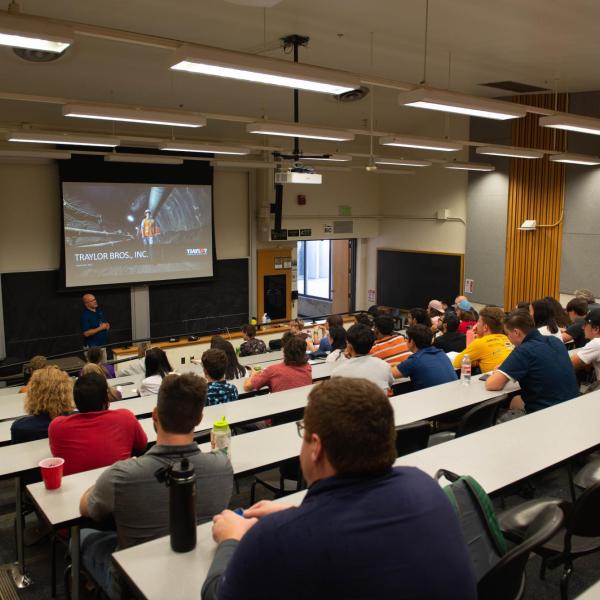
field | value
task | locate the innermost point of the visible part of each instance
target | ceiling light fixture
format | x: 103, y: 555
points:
x: 260, y: 69
x: 572, y: 123
x: 50, y: 154
x: 133, y: 115
x: 19, y: 31
x: 468, y: 166
x: 330, y: 158
x: 575, y: 159
x: 206, y: 147
x: 70, y: 139
x: 242, y: 164
x: 402, y: 162
x: 391, y: 171
x: 405, y: 141
x: 461, y: 104
x: 510, y: 151
x: 143, y: 158
x: 299, y: 131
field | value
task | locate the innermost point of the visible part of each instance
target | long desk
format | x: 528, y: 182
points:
x: 496, y: 457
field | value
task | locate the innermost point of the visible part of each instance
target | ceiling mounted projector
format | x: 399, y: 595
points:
x: 298, y: 174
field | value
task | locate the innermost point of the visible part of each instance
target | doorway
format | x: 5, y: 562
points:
x: 326, y: 277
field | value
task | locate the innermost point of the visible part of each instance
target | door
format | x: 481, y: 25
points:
x: 341, y: 276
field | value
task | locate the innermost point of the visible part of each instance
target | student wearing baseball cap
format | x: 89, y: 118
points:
x: 589, y: 356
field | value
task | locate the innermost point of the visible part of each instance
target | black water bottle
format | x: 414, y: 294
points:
x: 182, y: 506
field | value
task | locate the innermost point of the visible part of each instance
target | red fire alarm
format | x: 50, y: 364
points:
x: 301, y: 199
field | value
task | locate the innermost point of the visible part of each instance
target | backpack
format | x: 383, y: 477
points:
x: 477, y: 518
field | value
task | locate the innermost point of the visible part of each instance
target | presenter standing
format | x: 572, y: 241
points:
x: 94, y: 326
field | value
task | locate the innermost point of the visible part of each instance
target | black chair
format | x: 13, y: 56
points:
x: 481, y: 416
x: 282, y: 482
x: 506, y: 579
x: 412, y: 437
x: 579, y: 536
x: 588, y: 475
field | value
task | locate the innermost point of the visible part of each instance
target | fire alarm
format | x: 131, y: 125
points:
x: 301, y: 199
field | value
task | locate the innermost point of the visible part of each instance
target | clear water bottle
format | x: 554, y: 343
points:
x: 220, y: 437
x: 465, y: 370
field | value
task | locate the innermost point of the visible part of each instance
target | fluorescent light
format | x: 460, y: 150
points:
x: 391, y: 171
x: 575, y: 159
x: 402, y: 162
x: 332, y: 169
x: 207, y: 147
x: 51, y: 154
x: 133, y: 115
x: 461, y: 104
x: 143, y: 158
x: 260, y: 69
x: 242, y: 164
x: 467, y: 166
x: 510, y: 151
x: 330, y: 158
x: 572, y: 123
x: 405, y: 141
x: 71, y: 139
x: 300, y: 131
x: 23, y: 32
x: 528, y: 225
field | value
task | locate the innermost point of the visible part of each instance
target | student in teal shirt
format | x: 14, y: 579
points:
x: 214, y: 363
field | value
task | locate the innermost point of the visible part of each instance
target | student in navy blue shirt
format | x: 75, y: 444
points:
x: 428, y: 365
x: 94, y: 326
x: 540, y: 363
x: 214, y: 363
x: 364, y: 529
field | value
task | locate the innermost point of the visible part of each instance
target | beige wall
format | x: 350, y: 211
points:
x: 231, y: 213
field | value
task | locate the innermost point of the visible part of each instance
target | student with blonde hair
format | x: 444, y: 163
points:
x: 49, y: 394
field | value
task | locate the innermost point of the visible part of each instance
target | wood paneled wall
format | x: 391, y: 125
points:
x: 535, y: 191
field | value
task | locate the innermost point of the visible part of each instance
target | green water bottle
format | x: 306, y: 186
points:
x: 220, y: 437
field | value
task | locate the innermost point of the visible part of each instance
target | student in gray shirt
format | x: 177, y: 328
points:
x: 129, y: 493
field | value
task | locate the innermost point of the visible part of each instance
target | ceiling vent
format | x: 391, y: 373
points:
x: 515, y: 87
x: 353, y: 95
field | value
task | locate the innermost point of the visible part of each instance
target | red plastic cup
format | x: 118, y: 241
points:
x: 52, y: 472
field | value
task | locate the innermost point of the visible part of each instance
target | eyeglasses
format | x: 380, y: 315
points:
x: 300, y: 427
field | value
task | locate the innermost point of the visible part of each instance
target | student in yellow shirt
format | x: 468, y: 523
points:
x: 491, y: 346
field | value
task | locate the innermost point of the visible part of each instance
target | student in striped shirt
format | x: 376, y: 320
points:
x: 389, y: 347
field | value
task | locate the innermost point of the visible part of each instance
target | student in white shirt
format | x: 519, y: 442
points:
x: 359, y: 341
x: 337, y: 341
x: 541, y: 312
x: 589, y: 355
x: 157, y: 366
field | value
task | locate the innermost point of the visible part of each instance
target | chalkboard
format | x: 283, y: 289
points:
x: 38, y: 319
x: 196, y: 306
x: 408, y: 279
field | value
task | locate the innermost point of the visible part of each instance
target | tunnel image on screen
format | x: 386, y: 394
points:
x: 127, y: 233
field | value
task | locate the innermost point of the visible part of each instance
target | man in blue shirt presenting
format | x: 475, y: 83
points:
x: 364, y: 530
x: 94, y: 326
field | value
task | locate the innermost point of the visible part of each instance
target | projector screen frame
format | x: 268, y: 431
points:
x: 93, y: 169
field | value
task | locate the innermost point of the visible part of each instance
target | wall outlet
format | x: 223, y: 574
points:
x: 183, y: 360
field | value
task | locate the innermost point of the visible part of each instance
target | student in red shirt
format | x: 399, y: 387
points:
x: 95, y: 436
x: 293, y: 372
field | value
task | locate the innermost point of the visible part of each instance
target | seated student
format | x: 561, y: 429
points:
x: 428, y: 365
x: 540, y: 363
x: 389, y: 347
x: 577, y: 309
x: 251, y: 345
x: 467, y: 306
x: 359, y: 341
x: 135, y: 367
x: 95, y: 436
x: 589, y: 355
x: 332, y: 321
x: 337, y: 343
x: 450, y: 340
x: 419, y: 316
x: 49, y: 394
x: 37, y: 362
x: 157, y: 368
x: 234, y: 369
x: 491, y: 346
x: 362, y: 319
x: 558, y: 312
x: 467, y: 315
x: 95, y: 355
x: 588, y: 296
x: 542, y: 316
x: 365, y: 529
x: 113, y: 393
x: 214, y: 363
x: 296, y: 328
x: 435, y: 309
x: 293, y: 372
x: 129, y: 492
